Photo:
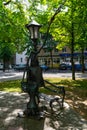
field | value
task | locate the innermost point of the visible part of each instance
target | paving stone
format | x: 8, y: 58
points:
x: 15, y: 128
x: 12, y: 103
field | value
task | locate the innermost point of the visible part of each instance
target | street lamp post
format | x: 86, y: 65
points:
x: 34, y: 77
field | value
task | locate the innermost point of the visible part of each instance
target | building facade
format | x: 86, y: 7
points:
x: 53, y: 58
x: 21, y: 58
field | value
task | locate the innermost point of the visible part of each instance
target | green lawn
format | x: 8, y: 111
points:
x: 79, y: 86
x: 10, y: 86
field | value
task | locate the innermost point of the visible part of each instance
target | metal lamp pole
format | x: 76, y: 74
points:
x: 34, y: 73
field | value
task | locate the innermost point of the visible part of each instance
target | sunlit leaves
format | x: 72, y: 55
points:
x: 14, y: 17
x: 43, y: 2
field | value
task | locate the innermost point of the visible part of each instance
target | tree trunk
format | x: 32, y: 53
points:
x: 82, y: 59
x: 72, y: 40
x: 4, y: 65
x: 72, y: 52
x: 51, y: 59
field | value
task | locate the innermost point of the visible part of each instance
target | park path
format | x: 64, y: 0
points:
x: 12, y: 103
x: 13, y: 75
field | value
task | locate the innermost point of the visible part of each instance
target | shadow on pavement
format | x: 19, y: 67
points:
x: 12, y: 103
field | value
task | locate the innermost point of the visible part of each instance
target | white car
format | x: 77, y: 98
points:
x: 1, y: 66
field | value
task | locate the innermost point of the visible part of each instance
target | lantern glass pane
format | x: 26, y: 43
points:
x: 35, y: 32
x: 31, y: 32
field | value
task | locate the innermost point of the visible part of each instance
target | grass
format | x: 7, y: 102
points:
x: 10, y: 86
x: 76, y: 91
x: 70, y: 85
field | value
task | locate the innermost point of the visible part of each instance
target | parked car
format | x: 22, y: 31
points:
x: 69, y: 66
x: 44, y: 67
x: 19, y: 67
x: 62, y: 66
x: 85, y: 67
x: 78, y: 67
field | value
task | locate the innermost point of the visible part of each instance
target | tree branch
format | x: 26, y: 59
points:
x: 6, y: 3
x: 51, y: 21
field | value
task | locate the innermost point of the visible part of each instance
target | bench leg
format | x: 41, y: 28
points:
x: 55, y: 100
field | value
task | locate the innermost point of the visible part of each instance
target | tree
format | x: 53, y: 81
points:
x: 65, y: 31
x: 12, y: 29
x: 49, y: 45
x: 13, y: 20
x: 82, y: 29
x: 6, y: 53
x: 71, y: 28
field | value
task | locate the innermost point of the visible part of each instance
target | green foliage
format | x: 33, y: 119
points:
x: 16, y: 14
x: 12, y: 25
x: 6, y: 51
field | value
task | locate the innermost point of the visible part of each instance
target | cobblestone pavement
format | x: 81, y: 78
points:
x: 12, y: 103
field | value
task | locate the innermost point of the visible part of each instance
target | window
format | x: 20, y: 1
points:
x: 64, y: 50
x: 21, y: 59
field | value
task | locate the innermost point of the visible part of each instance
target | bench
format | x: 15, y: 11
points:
x: 59, y: 91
